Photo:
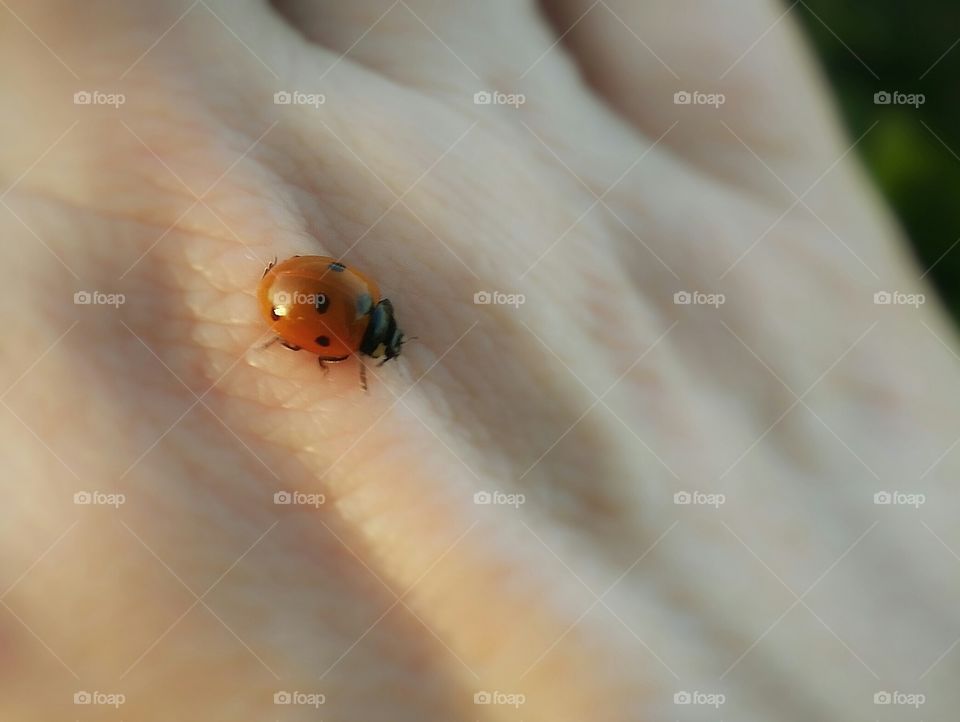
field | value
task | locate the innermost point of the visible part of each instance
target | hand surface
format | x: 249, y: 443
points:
x: 597, y: 399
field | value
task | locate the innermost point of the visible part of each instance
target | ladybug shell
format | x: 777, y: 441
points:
x: 318, y: 304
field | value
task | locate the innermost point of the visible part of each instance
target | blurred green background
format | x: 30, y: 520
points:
x: 912, y: 48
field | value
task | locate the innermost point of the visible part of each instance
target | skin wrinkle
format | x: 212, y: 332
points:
x: 27, y: 194
x: 326, y: 556
x: 435, y: 66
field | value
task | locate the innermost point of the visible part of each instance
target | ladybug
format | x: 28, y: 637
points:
x: 320, y: 305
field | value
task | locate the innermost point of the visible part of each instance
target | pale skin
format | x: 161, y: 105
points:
x: 399, y: 598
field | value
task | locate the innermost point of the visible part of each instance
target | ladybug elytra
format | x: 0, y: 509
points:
x: 320, y: 305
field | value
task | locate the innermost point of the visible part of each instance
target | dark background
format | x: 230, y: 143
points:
x: 899, y: 42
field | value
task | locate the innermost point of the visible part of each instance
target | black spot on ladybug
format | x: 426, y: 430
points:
x: 322, y: 304
x: 323, y: 341
x: 337, y: 267
x: 364, y: 304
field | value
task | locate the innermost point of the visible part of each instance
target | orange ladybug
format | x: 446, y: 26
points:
x: 318, y: 304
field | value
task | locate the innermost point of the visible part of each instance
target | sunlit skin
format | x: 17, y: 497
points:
x: 398, y: 597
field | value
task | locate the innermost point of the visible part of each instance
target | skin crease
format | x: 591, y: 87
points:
x: 399, y: 598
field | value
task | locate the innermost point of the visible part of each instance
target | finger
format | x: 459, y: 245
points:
x: 152, y: 83
x: 423, y: 42
x: 111, y: 43
x: 638, y: 55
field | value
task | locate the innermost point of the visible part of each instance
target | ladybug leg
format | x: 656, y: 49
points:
x: 323, y: 366
x: 363, y: 375
x: 283, y: 343
x: 269, y: 266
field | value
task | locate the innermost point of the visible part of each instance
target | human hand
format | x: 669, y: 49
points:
x: 597, y: 399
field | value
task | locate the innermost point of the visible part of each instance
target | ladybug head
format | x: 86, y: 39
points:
x: 382, y: 338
